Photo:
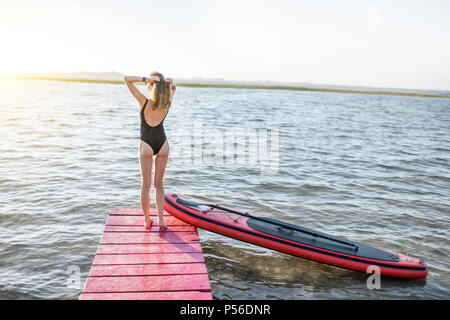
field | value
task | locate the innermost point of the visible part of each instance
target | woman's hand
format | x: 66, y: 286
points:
x: 152, y: 79
x: 171, y: 83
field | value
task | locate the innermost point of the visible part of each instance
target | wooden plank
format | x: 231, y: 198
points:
x: 148, y: 237
x: 135, y: 263
x: 154, y: 228
x: 147, y: 269
x: 147, y: 283
x: 148, y: 258
x: 139, y: 221
x: 133, y: 212
x: 145, y: 248
x: 161, y: 295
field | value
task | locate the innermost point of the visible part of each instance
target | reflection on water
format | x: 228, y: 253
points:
x: 261, y: 274
x: 369, y: 168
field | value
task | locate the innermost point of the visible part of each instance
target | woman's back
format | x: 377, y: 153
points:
x: 154, y: 117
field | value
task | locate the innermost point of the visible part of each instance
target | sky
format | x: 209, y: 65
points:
x: 390, y: 44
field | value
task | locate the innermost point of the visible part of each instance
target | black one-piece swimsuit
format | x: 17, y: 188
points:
x: 153, y: 136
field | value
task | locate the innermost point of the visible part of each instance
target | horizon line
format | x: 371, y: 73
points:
x: 45, y: 74
x: 273, y: 86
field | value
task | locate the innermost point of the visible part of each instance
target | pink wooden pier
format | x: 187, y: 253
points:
x: 133, y: 263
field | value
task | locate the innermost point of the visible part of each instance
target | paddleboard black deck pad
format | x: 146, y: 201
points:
x: 288, y: 238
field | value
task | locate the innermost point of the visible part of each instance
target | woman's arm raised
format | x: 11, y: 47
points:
x: 171, y: 83
x: 129, y: 80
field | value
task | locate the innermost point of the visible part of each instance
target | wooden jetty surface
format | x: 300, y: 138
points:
x: 132, y: 262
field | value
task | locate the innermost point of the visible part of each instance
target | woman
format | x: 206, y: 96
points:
x: 153, y: 140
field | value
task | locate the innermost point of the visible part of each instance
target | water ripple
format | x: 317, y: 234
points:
x: 369, y: 168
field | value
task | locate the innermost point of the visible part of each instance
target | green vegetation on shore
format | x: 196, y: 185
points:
x: 299, y: 88
x: 249, y: 86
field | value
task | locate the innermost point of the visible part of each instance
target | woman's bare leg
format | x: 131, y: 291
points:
x: 160, y: 167
x: 146, y: 162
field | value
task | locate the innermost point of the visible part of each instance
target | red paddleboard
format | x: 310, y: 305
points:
x: 291, y: 239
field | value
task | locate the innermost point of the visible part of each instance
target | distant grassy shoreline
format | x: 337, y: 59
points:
x: 244, y: 86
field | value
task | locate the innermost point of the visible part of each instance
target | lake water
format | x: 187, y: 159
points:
x: 369, y: 168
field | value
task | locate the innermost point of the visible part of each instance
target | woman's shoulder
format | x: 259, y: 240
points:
x: 143, y: 105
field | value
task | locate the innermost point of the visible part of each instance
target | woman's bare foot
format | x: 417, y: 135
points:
x: 162, y: 226
x: 148, y: 223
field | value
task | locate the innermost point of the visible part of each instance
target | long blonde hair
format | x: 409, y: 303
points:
x: 161, y: 94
